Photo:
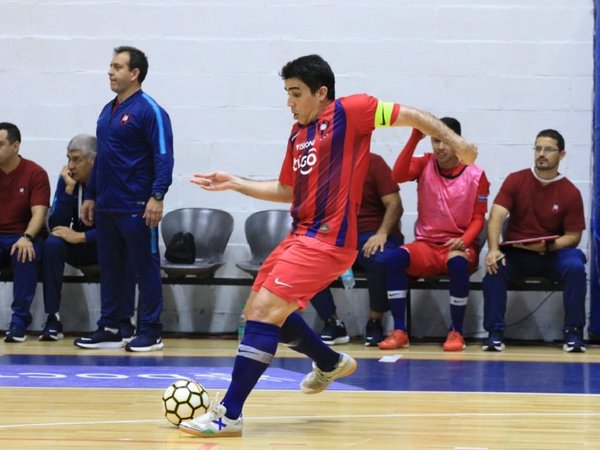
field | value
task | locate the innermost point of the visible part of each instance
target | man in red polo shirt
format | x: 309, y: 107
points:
x: 24, y: 200
x: 545, y: 218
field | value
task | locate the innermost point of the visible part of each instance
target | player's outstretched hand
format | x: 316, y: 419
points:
x: 466, y: 152
x: 215, y: 181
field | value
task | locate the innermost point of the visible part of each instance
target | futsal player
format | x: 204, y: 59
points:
x: 322, y: 175
x: 452, y: 202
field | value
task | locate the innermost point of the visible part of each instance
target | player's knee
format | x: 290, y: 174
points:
x: 574, y: 269
x: 269, y: 308
x: 572, y: 260
x: 404, y: 257
x: 457, y: 265
x: 52, y: 244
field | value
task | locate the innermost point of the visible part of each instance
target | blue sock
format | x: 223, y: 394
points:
x: 398, y: 310
x: 458, y: 269
x: 254, y: 355
x: 396, y: 282
x: 296, y: 334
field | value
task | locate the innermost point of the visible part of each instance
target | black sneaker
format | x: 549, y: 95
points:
x: 573, y: 343
x: 101, y: 338
x: 373, y: 333
x: 145, y: 343
x: 53, y: 330
x: 334, y: 332
x: 16, y: 333
x: 127, y: 330
x: 494, y: 342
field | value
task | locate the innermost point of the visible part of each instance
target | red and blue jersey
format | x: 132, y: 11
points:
x: 134, y: 157
x: 326, y: 162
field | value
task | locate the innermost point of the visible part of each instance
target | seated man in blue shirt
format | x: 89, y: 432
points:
x: 73, y: 242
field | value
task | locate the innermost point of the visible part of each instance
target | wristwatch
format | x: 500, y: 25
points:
x: 28, y: 237
x: 158, y: 196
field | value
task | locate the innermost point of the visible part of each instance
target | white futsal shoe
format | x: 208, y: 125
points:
x: 318, y: 380
x: 213, y: 423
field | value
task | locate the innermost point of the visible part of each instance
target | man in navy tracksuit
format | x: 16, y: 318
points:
x: 129, y: 180
x: 72, y: 242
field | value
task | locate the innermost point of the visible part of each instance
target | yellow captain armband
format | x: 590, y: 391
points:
x: 383, y: 115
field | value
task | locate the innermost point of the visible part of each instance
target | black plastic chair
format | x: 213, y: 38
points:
x: 264, y: 231
x: 211, y: 229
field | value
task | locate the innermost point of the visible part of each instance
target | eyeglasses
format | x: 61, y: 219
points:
x: 545, y: 150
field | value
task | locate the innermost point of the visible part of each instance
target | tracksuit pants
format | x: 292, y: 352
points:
x: 126, y: 239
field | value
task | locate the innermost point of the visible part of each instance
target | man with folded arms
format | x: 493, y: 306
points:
x: 546, y: 221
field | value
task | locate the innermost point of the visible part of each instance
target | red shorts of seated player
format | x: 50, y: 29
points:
x: 428, y: 259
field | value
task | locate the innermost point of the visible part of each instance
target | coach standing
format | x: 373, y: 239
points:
x: 129, y: 180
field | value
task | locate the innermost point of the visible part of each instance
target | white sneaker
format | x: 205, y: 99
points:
x: 317, y: 380
x: 213, y: 423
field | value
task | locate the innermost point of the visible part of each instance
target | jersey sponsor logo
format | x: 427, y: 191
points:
x: 305, y: 145
x: 281, y: 283
x: 306, y: 162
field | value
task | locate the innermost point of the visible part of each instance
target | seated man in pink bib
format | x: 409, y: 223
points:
x: 452, y: 202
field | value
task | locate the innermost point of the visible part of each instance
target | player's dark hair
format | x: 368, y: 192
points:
x: 313, y: 71
x: 550, y: 133
x: 12, y: 131
x: 453, y: 124
x: 137, y: 60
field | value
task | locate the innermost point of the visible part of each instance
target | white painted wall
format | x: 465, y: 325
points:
x: 505, y: 68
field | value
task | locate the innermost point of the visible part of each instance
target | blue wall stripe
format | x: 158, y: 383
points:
x: 595, y: 216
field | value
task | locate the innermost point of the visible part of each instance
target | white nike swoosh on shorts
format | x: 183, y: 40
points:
x: 281, y: 283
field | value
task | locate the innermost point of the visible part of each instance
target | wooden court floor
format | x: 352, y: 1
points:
x: 100, y: 417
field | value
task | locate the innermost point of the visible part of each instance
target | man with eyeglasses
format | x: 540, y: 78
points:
x: 544, y: 227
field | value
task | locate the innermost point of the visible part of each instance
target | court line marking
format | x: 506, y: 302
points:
x: 352, y: 391
x: 321, y: 417
x: 473, y: 350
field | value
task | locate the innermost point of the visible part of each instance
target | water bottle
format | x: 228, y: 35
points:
x: 241, y: 329
x: 348, y: 278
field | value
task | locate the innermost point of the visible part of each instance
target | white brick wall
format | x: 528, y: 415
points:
x: 505, y: 68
